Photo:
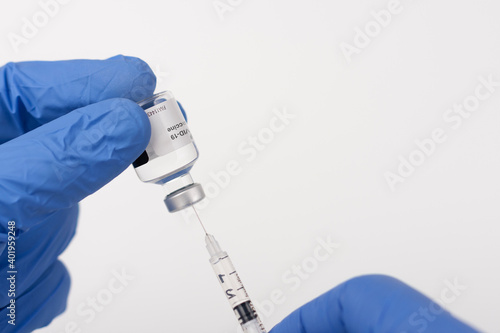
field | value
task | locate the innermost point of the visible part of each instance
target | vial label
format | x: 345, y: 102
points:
x: 230, y: 281
x: 169, y: 130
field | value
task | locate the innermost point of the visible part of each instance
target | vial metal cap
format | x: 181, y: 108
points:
x: 184, y: 197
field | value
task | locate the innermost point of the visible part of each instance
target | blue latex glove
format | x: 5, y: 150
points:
x: 66, y: 129
x: 371, y: 304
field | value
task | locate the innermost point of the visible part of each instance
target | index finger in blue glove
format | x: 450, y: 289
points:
x: 36, y: 92
x: 372, y: 303
x: 58, y: 164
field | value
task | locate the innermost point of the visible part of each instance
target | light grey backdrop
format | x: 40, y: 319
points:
x: 360, y: 89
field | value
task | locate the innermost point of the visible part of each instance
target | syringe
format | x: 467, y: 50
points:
x: 233, y: 287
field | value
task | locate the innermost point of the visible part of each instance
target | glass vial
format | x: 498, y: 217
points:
x: 170, y: 154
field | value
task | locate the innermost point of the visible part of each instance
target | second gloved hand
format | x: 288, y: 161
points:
x: 371, y: 304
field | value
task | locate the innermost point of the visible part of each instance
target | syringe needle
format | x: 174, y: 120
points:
x: 198, y: 216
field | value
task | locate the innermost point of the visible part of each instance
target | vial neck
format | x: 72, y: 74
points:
x: 177, y: 183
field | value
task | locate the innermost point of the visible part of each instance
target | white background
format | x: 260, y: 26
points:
x: 322, y: 176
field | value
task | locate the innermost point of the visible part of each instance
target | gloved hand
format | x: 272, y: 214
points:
x: 66, y: 129
x: 375, y: 304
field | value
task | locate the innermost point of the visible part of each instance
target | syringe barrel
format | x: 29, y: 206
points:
x: 233, y: 288
x: 229, y: 279
x: 253, y: 326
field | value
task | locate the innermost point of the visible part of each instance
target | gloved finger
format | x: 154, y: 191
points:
x: 40, y: 304
x: 34, y: 93
x: 36, y: 250
x: 58, y: 164
x: 372, y: 303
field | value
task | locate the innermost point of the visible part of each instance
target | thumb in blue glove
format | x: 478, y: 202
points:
x: 371, y: 303
x: 67, y: 129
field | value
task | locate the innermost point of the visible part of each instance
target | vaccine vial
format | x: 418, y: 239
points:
x: 170, y: 154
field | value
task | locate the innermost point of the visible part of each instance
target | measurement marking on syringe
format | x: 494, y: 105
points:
x: 233, y: 288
